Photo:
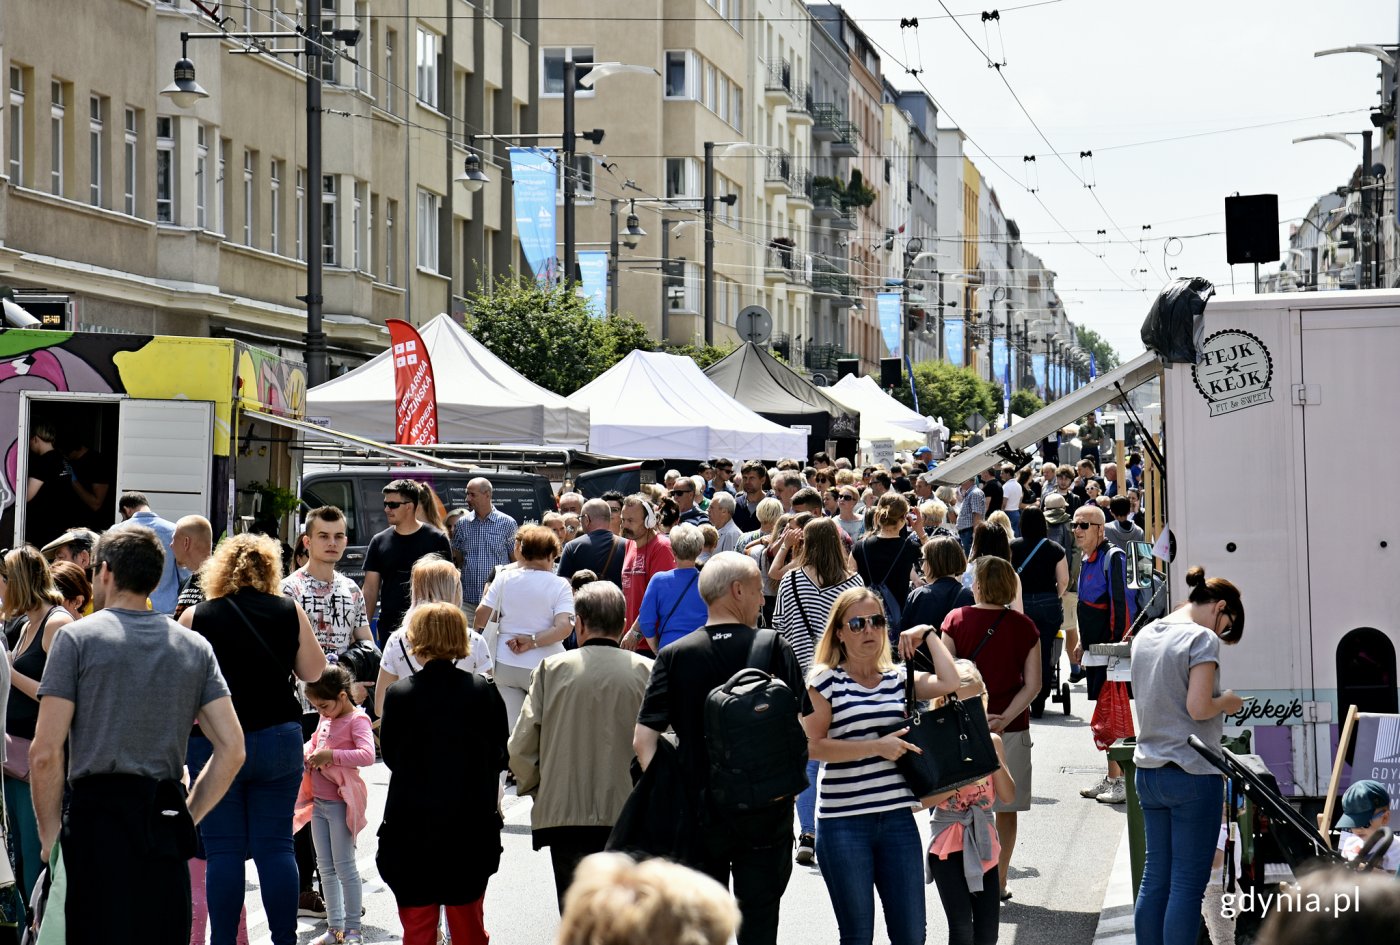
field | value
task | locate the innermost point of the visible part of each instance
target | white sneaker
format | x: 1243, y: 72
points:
x: 1117, y: 792
x: 1098, y: 788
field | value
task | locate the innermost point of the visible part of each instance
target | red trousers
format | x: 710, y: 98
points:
x: 466, y: 923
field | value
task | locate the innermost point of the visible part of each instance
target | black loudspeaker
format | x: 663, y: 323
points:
x: 890, y: 373
x: 847, y: 366
x: 1251, y: 229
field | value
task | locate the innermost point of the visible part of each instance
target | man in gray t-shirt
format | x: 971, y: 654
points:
x: 121, y: 688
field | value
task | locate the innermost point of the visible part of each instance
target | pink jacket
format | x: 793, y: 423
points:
x: 351, y: 741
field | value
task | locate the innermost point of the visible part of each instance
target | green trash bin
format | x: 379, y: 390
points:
x: 1121, y: 751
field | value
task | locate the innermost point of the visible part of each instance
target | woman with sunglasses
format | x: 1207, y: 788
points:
x: 867, y: 839
x: 1176, y: 683
x: 847, y: 498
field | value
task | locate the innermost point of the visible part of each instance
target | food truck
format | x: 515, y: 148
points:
x: 1273, y: 469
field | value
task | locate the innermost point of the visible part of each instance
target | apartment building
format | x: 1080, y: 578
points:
x: 924, y: 271
x: 193, y: 221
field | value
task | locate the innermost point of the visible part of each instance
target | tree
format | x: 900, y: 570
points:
x: 951, y: 393
x: 549, y: 334
x: 1104, y: 355
x: 702, y: 355
x: 1025, y: 402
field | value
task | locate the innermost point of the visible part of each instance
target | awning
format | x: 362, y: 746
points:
x: 1026, y: 433
x: 315, y: 431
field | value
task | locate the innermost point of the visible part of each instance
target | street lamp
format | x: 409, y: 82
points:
x: 630, y: 238
x: 1367, y: 277
x: 709, y: 199
x: 473, y: 178
x: 184, y: 92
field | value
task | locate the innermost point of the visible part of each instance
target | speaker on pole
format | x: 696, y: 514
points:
x: 1251, y: 229
x: 890, y: 373
x: 847, y: 367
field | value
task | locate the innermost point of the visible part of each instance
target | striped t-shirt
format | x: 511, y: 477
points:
x: 788, y: 614
x: 870, y: 785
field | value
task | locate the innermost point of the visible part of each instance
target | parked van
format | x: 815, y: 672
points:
x: 359, y: 492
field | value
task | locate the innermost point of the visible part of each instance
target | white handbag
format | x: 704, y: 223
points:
x: 492, y: 632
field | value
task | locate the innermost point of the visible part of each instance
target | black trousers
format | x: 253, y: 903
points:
x: 126, y: 858
x: 302, y: 845
x: 973, y: 918
x: 567, y: 848
x: 756, y: 850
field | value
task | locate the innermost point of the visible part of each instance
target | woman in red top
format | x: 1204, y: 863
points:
x: 1005, y: 645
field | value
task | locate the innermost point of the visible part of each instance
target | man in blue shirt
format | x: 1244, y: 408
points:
x: 135, y: 509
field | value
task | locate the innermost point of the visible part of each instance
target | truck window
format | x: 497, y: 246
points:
x: 339, y: 493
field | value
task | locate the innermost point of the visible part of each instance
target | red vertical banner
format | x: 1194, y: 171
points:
x: 415, y: 392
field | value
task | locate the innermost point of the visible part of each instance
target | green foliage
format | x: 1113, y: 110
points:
x: 1025, y: 402
x: 548, y: 334
x: 702, y: 355
x: 858, y: 192
x: 951, y: 393
x: 1104, y: 355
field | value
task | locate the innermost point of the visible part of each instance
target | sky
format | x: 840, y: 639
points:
x: 1096, y: 75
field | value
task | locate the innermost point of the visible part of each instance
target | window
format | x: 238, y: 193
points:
x: 429, y: 206
x: 681, y: 177
x: 301, y: 214
x: 552, y: 75
x: 249, y: 163
x: 680, y: 69
x: 428, y: 48
x: 329, y: 219
x: 129, y: 151
x: 722, y: 101
x: 221, y: 199
x: 736, y: 107
x: 391, y: 249
x: 97, y: 150
x: 390, y: 89
x: 274, y: 207
x: 364, y: 59
x: 357, y: 226
x: 583, y: 178
x: 201, y: 178
x: 707, y: 95
x: 165, y: 169
x: 57, y: 111
x: 330, y: 63
x: 16, y: 129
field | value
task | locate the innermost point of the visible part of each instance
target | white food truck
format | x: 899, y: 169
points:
x: 1280, y: 450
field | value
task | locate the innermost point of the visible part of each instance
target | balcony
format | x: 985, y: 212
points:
x: 800, y: 111
x: 821, y: 357
x: 784, y: 264
x: 828, y: 206
x: 778, y: 82
x: 830, y: 124
x: 837, y: 285
x: 802, y: 190
x: 778, y: 175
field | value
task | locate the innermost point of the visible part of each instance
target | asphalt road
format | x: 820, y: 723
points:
x: 1063, y: 857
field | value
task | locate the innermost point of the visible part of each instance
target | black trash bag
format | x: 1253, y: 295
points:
x: 1175, y: 326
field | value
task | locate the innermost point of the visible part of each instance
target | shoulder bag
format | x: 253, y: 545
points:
x: 1031, y: 555
x: 491, y: 633
x: 801, y: 610
x: 661, y: 627
x: 954, y: 739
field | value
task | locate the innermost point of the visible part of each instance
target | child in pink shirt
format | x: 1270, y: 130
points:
x: 334, y: 797
x: 964, y: 827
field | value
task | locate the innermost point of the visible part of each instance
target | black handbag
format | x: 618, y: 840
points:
x: 955, y: 740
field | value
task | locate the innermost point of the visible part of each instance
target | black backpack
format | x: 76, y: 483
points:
x: 756, y: 744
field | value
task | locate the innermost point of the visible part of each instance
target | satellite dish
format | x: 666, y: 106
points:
x: 820, y: 380
x: 754, y: 324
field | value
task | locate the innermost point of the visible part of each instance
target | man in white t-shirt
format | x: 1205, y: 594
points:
x: 1011, y: 497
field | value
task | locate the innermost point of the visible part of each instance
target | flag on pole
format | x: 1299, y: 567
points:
x: 415, y: 393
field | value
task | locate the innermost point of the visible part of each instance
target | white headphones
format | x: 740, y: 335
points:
x: 649, y: 520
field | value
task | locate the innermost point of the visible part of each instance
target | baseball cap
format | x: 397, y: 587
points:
x: 1360, y: 803
x: 1056, y: 509
x: 922, y: 451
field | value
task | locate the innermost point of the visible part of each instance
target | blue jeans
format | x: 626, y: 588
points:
x: 965, y: 539
x: 335, y: 857
x: 1047, y: 613
x: 254, y: 819
x: 871, y: 853
x: 24, y: 834
x: 1015, y: 516
x: 807, y: 800
x: 1181, y: 815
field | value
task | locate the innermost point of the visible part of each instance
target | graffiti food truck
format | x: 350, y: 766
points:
x: 1280, y: 446
x: 193, y: 423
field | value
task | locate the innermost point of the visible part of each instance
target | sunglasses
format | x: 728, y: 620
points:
x: 862, y: 624
x: 1083, y: 526
x: 679, y: 492
x: 394, y: 505
x: 845, y: 498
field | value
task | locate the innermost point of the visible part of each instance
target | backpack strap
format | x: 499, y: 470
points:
x: 612, y: 549
x: 797, y: 599
x: 407, y: 662
x: 1031, y: 555
x: 679, y: 598
x: 762, y: 650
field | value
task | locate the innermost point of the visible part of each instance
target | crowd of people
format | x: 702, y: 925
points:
x: 589, y: 658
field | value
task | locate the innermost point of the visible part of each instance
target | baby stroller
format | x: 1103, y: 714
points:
x: 1059, y: 691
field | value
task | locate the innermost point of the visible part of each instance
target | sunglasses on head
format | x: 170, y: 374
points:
x: 394, y: 505
x: 862, y: 624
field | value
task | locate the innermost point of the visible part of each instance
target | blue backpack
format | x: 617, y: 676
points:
x: 894, y: 610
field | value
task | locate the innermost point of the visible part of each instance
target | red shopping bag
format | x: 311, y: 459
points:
x: 1113, y: 715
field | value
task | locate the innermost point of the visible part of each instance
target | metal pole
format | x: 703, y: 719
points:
x: 1314, y: 249
x: 317, y: 371
x: 665, y: 280
x: 1368, y: 237
x: 938, y: 316
x: 709, y: 242
x: 570, y: 172
x: 613, y: 250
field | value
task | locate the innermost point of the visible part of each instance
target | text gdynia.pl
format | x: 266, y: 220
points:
x: 1289, y: 899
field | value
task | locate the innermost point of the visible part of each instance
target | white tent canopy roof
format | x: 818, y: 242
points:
x: 881, y: 416
x: 481, y: 399
x: 652, y: 405
x: 1023, y: 434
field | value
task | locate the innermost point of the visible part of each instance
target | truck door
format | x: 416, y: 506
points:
x: 1353, y: 542
x: 166, y: 451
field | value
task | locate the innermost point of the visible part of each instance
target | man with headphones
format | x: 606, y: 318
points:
x: 648, y: 554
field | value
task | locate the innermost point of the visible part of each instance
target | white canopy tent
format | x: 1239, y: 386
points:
x: 481, y: 399
x: 881, y: 416
x: 662, y: 406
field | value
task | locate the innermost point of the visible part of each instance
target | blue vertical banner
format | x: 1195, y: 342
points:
x: 593, y: 269
x: 535, y: 176
x: 999, y: 358
x: 887, y: 305
x: 1093, y: 373
x: 1038, y: 369
x: 913, y: 388
x: 1006, y: 391
x: 953, y: 341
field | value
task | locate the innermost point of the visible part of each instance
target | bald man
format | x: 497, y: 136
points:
x: 192, y: 545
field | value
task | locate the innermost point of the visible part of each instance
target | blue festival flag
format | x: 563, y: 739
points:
x: 887, y: 304
x: 535, y: 176
x: 1038, y: 369
x: 953, y: 341
x: 593, y: 269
